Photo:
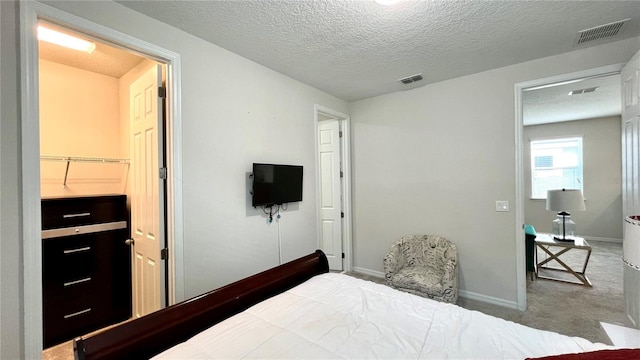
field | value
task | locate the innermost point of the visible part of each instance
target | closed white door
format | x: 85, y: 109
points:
x: 147, y: 193
x: 330, y: 192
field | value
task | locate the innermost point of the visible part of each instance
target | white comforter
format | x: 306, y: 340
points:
x: 334, y: 316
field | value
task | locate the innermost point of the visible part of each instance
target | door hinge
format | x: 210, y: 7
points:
x: 342, y: 214
x: 164, y: 254
x: 343, y: 255
x: 341, y: 174
x: 162, y: 92
x: 163, y: 173
x: 340, y: 133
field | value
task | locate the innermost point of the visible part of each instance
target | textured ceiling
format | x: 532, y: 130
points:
x: 554, y: 104
x: 358, y: 49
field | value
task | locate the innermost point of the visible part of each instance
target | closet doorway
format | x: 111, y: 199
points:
x: 102, y: 128
x: 31, y: 12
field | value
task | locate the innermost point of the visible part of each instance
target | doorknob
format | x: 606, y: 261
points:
x: 129, y: 242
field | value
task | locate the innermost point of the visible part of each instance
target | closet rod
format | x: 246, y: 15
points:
x: 70, y: 159
x: 84, y: 159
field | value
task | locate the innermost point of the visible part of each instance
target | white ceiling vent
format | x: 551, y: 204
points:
x: 583, y: 91
x: 600, y: 32
x: 411, y: 79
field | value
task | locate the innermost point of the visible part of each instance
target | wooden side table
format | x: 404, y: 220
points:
x: 555, y: 248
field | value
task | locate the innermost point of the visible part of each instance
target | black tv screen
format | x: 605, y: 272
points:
x: 276, y: 184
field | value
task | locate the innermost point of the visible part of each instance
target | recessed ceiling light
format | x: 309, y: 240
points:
x: 68, y: 41
x: 387, y: 2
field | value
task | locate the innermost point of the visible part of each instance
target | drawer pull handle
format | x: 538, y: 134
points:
x: 77, y: 282
x: 69, y: 216
x: 77, y: 313
x: 72, y: 251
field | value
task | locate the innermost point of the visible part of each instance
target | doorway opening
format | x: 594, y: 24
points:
x: 333, y: 186
x: 89, y: 173
x: 101, y: 122
x: 534, y: 123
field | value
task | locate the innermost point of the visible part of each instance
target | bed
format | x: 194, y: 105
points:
x: 300, y: 310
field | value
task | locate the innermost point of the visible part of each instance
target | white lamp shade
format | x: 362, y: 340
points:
x: 565, y: 200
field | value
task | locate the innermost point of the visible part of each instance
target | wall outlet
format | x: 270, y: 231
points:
x: 502, y: 206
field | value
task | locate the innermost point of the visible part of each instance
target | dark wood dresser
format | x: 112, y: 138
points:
x: 86, y: 265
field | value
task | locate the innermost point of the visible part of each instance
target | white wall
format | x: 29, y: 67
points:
x: 602, y: 174
x: 79, y: 117
x: 11, y: 299
x: 234, y: 113
x: 435, y: 159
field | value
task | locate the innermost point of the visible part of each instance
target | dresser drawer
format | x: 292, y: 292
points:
x: 86, y: 265
x: 78, y: 211
x: 86, y: 284
x: 78, y: 311
x: 68, y: 259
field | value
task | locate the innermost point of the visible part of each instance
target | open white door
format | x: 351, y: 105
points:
x: 330, y: 206
x: 630, y: 77
x: 147, y: 193
x: 630, y: 136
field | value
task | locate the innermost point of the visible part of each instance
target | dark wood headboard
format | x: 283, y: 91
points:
x: 149, y: 335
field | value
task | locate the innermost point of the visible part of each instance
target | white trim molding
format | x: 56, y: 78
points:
x: 376, y: 274
x: 603, y: 239
x: 345, y: 127
x: 521, y: 276
x: 488, y: 299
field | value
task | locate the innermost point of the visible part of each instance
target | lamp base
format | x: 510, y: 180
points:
x: 563, y: 226
x: 565, y: 239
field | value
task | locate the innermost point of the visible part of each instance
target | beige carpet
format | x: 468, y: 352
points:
x: 568, y: 309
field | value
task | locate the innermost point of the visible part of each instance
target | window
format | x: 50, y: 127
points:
x: 555, y: 164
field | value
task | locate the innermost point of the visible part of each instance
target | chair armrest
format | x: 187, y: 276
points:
x: 393, y: 262
x: 450, y: 275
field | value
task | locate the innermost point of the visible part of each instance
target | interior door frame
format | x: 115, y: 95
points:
x: 519, y: 88
x: 345, y: 127
x: 30, y: 13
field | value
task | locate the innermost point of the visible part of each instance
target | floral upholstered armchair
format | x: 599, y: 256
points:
x: 424, y: 265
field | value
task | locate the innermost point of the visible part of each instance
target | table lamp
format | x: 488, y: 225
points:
x: 564, y: 201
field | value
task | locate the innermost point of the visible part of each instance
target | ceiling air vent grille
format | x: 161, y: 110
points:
x: 600, y: 32
x: 583, y: 91
x: 411, y: 79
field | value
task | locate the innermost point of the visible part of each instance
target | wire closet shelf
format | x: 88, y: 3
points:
x: 70, y: 159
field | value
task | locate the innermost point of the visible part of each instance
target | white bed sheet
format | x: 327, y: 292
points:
x: 335, y: 316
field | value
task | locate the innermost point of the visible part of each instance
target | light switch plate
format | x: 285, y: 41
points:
x: 502, y: 206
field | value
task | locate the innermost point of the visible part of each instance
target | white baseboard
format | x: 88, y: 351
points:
x: 595, y: 238
x: 462, y: 293
x: 378, y: 274
x: 488, y: 299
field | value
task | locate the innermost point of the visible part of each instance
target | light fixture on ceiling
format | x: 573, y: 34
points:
x: 68, y: 41
x: 387, y: 2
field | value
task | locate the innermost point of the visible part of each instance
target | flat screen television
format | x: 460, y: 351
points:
x: 276, y: 184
